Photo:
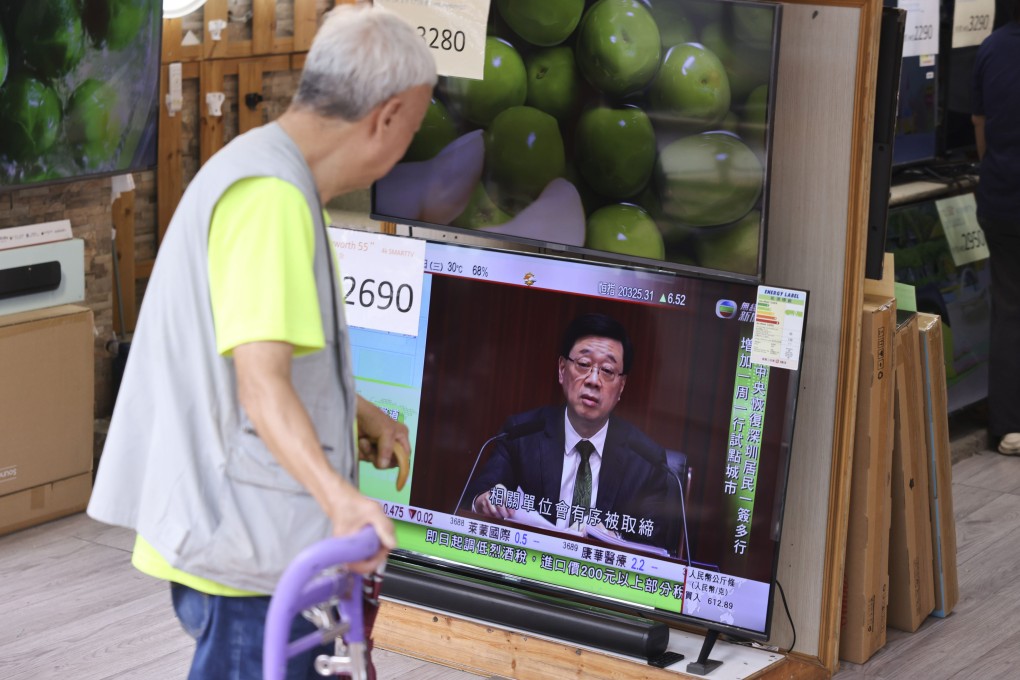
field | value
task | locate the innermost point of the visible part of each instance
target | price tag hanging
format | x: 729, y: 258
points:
x: 972, y: 22
x: 958, y: 215
x: 453, y: 29
x: 922, y: 34
x: 381, y: 279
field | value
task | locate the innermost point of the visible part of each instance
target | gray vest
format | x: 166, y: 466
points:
x: 183, y: 465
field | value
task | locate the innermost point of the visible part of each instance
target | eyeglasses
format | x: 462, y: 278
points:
x: 584, y: 366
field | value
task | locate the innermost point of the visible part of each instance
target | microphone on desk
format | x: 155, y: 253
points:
x: 651, y: 454
x: 511, y: 433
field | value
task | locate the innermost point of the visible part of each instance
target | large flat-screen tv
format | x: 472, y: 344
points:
x: 688, y: 478
x: 79, y: 88
x: 917, y: 121
x: 633, y: 129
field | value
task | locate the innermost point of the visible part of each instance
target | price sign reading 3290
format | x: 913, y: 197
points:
x: 381, y: 279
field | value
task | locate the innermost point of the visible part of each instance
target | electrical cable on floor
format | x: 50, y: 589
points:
x: 787, y: 608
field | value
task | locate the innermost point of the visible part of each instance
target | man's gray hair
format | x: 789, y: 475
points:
x: 362, y: 56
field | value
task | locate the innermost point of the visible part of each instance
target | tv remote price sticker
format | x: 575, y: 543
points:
x: 922, y: 33
x: 381, y: 279
x: 454, y: 30
x: 972, y: 22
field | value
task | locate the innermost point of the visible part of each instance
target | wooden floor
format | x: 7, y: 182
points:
x: 981, y: 638
x: 72, y: 606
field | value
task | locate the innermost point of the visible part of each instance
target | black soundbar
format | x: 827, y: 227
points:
x: 581, y: 624
x: 30, y: 278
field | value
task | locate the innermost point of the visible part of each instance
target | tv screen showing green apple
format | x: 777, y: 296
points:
x: 79, y: 88
x: 638, y: 130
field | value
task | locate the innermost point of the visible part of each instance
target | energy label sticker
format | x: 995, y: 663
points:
x: 778, y: 327
x: 453, y: 29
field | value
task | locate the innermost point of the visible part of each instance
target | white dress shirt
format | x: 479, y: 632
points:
x: 572, y: 460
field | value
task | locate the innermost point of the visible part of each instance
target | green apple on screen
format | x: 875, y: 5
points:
x: 553, y: 82
x: 542, y: 22
x: 753, y: 25
x: 692, y: 86
x: 732, y: 248
x: 53, y: 39
x: 3, y: 57
x: 523, y: 153
x: 618, y: 46
x: 113, y: 22
x: 708, y: 179
x: 480, y: 211
x: 755, y: 113
x: 615, y: 150
x: 29, y: 117
x: 91, y: 124
x: 625, y: 229
x: 504, y: 84
x: 436, y: 132
x: 674, y: 26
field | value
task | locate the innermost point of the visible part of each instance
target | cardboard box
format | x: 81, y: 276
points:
x: 46, y: 405
x: 911, y: 581
x: 44, y: 502
x: 940, y: 465
x: 866, y: 575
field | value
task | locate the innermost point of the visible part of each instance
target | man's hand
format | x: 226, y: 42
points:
x: 481, y: 504
x: 383, y: 441
x: 349, y: 511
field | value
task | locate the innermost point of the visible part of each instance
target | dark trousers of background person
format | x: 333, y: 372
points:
x: 1003, y: 239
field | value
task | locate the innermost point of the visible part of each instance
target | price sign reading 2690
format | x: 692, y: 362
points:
x: 381, y: 279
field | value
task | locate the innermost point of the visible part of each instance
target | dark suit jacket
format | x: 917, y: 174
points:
x: 633, y: 480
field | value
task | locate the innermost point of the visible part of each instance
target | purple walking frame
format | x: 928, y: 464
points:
x: 341, y: 604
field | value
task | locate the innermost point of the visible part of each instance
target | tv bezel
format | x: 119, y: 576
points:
x: 419, y: 561
x: 658, y: 265
x: 131, y: 169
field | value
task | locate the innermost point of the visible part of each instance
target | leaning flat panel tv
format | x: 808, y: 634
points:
x: 685, y: 488
x: 79, y: 88
x: 635, y: 130
x: 917, y: 121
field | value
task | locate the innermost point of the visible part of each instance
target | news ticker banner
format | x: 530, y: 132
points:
x: 560, y: 560
x: 454, y: 30
x: 747, y: 423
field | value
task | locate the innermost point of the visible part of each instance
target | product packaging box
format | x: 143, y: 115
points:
x: 940, y: 465
x: 46, y: 414
x: 866, y: 574
x: 911, y: 581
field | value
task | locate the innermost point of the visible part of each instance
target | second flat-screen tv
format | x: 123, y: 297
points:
x: 516, y: 356
x: 632, y: 129
x: 79, y: 88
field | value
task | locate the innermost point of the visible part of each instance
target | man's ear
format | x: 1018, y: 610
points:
x: 623, y: 383
x: 382, y: 116
x: 561, y: 366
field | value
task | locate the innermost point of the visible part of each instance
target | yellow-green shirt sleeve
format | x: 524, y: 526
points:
x: 261, y: 278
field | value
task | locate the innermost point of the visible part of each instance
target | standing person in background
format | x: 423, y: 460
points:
x: 997, y: 130
x: 232, y: 445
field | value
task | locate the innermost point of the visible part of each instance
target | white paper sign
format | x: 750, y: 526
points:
x: 922, y: 34
x: 972, y: 22
x: 778, y: 327
x: 453, y: 29
x: 381, y: 279
x: 959, y: 222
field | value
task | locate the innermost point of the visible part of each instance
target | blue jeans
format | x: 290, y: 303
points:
x: 228, y: 636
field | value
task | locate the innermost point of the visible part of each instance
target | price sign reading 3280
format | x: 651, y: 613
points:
x: 381, y: 279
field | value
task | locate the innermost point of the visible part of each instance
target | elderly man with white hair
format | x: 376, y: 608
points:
x: 232, y: 445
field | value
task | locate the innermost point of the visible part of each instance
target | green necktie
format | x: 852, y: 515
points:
x: 582, y: 483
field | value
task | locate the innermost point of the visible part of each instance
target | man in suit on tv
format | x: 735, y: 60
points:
x: 577, y: 465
